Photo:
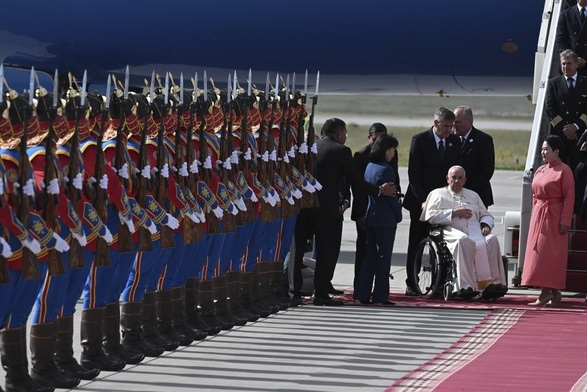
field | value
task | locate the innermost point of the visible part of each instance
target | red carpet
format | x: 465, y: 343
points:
x: 511, y: 350
x: 507, y: 302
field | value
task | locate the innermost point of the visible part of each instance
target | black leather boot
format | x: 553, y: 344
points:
x: 15, y: 363
x: 164, y: 321
x: 44, y: 370
x: 149, y: 325
x: 207, y: 309
x: 111, y: 340
x: 132, y: 338
x: 91, y: 331
x: 261, y: 291
x: 233, y: 291
x: 64, y: 352
x: 193, y: 318
x: 276, y: 285
x: 221, y: 303
x: 178, y: 315
x: 247, y: 297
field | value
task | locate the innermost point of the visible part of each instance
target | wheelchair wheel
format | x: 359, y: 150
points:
x: 427, y: 273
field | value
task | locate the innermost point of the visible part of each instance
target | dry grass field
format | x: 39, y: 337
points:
x: 510, y: 145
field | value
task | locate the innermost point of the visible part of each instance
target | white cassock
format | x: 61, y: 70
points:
x: 478, y: 257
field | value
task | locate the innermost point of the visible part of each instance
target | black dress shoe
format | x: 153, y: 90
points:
x: 334, y: 291
x: 296, y: 300
x: 327, y: 301
x: 365, y: 301
x: 410, y: 292
x: 386, y: 303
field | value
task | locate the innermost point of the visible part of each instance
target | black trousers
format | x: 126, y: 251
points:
x: 360, y: 251
x: 327, y: 233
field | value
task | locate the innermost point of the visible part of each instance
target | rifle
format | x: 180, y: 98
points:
x: 310, y: 165
x: 125, y: 243
x: 286, y: 208
x: 145, y: 241
x: 161, y: 184
x: 212, y: 224
x: 99, y: 199
x: 267, y: 211
x: 54, y: 261
x: 30, y: 268
x: 229, y: 219
x: 188, y: 226
x: 76, y: 258
x: 4, y: 274
x: 306, y: 200
x: 250, y: 214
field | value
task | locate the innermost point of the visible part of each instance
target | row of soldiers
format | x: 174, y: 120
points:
x: 169, y: 212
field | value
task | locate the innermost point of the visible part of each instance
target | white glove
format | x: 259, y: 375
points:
x: 292, y: 152
x: 83, y: 241
x: 107, y: 235
x: 234, y: 210
x: 28, y: 188
x: 6, y: 251
x: 194, y: 166
x: 193, y: 217
x: 265, y: 156
x: 290, y: 200
x: 165, y: 171
x: 152, y: 228
x: 314, y: 148
x: 303, y: 148
x: 273, y: 156
x: 1, y: 186
x: 218, y: 212
x: 248, y: 156
x: 200, y: 214
x: 234, y: 157
x: 78, y: 181
x: 171, y: 222
x: 240, y: 203
x: 127, y: 222
x: 146, y: 172
x: 104, y: 182
x: 183, y: 170
x: 123, y: 171
x: 286, y: 158
x: 60, y: 244
x: 208, y: 163
x: 53, y: 188
x: 254, y: 197
x: 33, y: 245
x: 227, y: 164
x: 318, y: 186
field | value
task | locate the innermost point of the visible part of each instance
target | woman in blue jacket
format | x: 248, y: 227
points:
x: 383, y: 215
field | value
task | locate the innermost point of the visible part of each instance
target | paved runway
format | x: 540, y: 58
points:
x: 316, y: 348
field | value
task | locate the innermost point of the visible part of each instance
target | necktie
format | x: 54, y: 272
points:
x: 571, y: 86
x: 441, y: 150
x: 582, y: 15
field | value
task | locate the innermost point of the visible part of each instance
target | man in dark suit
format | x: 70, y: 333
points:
x: 477, y: 154
x: 571, y: 33
x: 360, y: 199
x: 334, y: 162
x: 566, y: 105
x: 432, y: 153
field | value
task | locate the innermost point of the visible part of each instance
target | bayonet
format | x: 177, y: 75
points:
x: 55, y: 89
x: 205, y: 87
x: 181, y: 88
x: 250, y: 83
x: 234, y: 91
x: 108, y: 87
x: 166, y: 101
x: 293, y: 85
x: 306, y: 83
x: 195, y: 83
x: 126, y: 82
x: 83, y: 93
x: 228, y: 93
x: 276, y: 87
x: 267, y: 87
x: 152, y: 88
x: 287, y: 89
x: 32, y: 86
x: 1, y: 83
x: 317, y: 82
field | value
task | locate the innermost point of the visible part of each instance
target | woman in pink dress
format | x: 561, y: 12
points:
x: 553, y: 186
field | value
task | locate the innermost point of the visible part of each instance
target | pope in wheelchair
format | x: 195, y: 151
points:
x: 477, y: 270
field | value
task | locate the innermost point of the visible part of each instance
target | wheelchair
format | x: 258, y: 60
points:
x: 433, y: 272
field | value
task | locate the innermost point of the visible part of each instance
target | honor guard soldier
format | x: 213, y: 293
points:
x: 27, y: 273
